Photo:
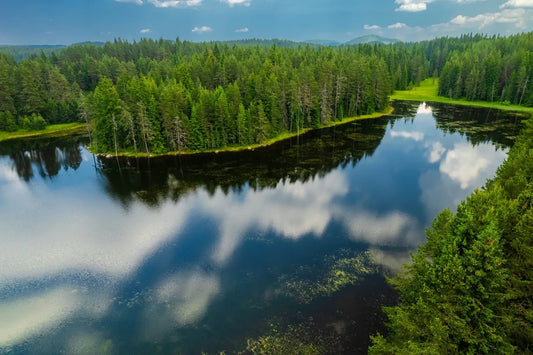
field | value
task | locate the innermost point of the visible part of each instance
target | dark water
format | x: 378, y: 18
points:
x: 200, y: 253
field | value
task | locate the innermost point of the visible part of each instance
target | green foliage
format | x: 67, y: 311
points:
x: 494, y: 70
x: 294, y: 340
x: 168, y: 96
x: 469, y: 289
x: 34, y: 122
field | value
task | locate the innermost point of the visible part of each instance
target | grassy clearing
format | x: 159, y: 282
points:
x: 56, y: 130
x: 282, y: 136
x: 428, y: 91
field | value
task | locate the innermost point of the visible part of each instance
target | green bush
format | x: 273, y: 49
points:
x: 35, y: 122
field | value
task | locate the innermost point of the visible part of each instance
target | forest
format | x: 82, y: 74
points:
x: 158, y: 96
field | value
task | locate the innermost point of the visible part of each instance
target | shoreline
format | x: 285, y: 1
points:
x: 51, y: 131
x: 281, y: 137
x: 427, y: 92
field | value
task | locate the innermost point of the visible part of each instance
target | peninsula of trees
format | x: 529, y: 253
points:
x: 163, y: 96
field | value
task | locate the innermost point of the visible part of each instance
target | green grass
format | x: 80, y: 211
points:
x: 428, y: 91
x: 56, y: 130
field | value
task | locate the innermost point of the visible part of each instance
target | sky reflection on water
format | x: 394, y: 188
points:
x: 83, y: 271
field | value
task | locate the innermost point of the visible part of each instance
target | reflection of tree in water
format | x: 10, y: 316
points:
x: 45, y: 156
x: 479, y: 125
x: 298, y: 159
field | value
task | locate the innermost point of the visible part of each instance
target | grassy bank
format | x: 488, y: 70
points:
x: 282, y: 136
x: 56, y: 130
x: 428, y: 91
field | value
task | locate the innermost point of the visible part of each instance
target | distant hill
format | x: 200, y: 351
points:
x: 97, y: 44
x: 372, y: 39
x: 324, y: 42
x: 20, y: 53
x: 267, y: 43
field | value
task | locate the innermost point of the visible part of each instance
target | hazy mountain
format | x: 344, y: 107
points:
x: 323, y: 42
x: 372, y: 39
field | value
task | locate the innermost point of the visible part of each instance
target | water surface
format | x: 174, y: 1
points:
x: 202, y: 252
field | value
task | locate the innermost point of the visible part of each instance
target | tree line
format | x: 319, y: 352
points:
x: 156, y: 96
x: 469, y: 288
x: 496, y: 69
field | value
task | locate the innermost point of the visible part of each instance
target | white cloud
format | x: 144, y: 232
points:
x: 412, y: 5
x: 179, y: 300
x: 36, y: 314
x: 112, y: 249
x: 466, y: 164
x: 518, y: 17
x: 397, y: 25
x: 203, y: 29
x: 187, y: 295
x: 290, y: 209
x: 175, y: 3
x: 424, y: 108
x: 138, y: 2
x: 145, y: 30
x: 237, y: 2
x: 436, y: 151
x: 242, y: 30
x: 416, y: 136
x: 371, y: 27
x: 517, y: 3
x: 381, y: 229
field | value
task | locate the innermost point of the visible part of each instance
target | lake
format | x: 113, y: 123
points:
x: 184, y: 254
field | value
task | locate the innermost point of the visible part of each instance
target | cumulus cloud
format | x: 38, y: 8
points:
x: 466, y: 165
x: 145, y: 30
x: 242, y: 30
x: 412, y: 5
x: 36, y: 314
x: 435, y: 152
x: 371, y: 27
x: 424, y: 108
x: 517, y: 3
x: 381, y: 229
x: 416, y: 136
x: 518, y: 17
x: 175, y: 3
x: 292, y: 210
x: 203, y: 29
x: 237, y: 2
x: 397, y: 25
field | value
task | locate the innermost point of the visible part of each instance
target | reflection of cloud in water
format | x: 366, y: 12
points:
x: 463, y: 167
x: 89, y: 342
x: 465, y: 164
x: 68, y: 235
x: 436, y: 151
x: 382, y: 230
x: 290, y: 209
x: 416, y: 136
x: 36, y: 314
x: 424, y: 108
x: 391, y: 260
x: 188, y: 295
x: 181, y: 299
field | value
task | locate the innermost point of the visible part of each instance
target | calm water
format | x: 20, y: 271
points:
x: 200, y: 253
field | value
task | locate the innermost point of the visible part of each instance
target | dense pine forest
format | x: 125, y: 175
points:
x: 160, y: 96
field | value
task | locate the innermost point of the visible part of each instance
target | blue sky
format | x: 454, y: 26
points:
x: 71, y: 21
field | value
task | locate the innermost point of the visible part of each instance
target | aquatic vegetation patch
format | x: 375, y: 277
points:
x: 333, y: 274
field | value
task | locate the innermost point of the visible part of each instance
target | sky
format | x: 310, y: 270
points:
x: 73, y: 21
